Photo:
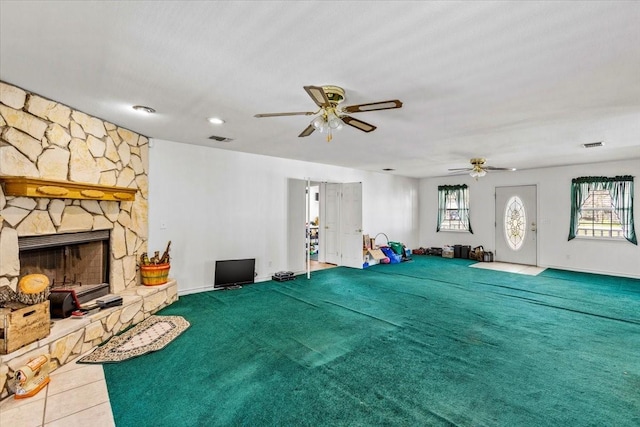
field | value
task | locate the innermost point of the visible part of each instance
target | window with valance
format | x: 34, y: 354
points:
x: 453, y: 208
x: 602, y: 207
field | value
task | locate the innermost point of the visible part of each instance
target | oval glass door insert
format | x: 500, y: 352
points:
x: 515, y: 220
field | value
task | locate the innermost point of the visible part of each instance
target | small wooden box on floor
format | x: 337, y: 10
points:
x: 22, y: 326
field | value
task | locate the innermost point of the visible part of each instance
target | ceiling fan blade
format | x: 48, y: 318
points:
x: 318, y: 95
x: 383, y: 105
x: 460, y: 169
x: 300, y: 113
x: 493, y: 168
x: 308, y: 131
x: 358, y: 124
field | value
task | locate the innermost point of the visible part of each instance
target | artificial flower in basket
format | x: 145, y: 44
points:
x: 155, y: 270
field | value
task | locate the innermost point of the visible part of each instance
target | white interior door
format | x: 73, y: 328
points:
x: 351, y: 225
x: 516, y: 224
x: 330, y: 224
x: 296, y: 239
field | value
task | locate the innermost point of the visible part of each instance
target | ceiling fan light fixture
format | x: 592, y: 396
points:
x: 477, y: 172
x: 318, y: 123
x: 334, y: 121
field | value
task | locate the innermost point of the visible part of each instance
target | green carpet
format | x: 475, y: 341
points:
x: 428, y: 342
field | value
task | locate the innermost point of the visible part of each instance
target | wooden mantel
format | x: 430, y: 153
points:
x: 35, y: 187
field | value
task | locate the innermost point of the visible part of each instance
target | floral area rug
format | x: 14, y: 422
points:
x: 152, y: 334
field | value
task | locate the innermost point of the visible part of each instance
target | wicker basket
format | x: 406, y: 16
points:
x: 153, y: 275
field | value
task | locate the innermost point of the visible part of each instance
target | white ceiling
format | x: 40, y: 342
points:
x: 523, y: 84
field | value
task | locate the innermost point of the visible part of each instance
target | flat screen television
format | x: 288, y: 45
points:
x: 234, y: 272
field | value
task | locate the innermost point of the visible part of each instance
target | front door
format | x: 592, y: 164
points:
x: 516, y: 224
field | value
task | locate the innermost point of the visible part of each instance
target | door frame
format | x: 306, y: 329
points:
x: 299, y: 238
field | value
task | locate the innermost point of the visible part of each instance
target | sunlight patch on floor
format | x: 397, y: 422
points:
x: 315, y: 265
x: 530, y: 270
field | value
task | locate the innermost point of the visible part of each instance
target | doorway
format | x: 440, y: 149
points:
x: 315, y: 237
x: 516, y: 224
x: 313, y: 216
x: 339, y: 225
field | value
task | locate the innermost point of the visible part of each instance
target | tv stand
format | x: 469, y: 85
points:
x: 234, y: 287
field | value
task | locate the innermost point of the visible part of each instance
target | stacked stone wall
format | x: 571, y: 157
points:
x: 41, y: 138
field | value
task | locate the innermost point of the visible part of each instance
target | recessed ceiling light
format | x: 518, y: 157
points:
x: 144, y: 109
x: 216, y: 120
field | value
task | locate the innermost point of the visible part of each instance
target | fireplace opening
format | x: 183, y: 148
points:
x: 72, y: 261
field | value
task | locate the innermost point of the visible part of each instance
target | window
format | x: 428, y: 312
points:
x: 598, y: 217
x: 602, y: 207
x: 453, y: 208
x: 515, y: 220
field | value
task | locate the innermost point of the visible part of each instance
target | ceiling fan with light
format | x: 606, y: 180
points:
x: 331, y: 116
x: 479, y: 168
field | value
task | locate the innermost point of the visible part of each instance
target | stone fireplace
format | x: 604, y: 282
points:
x: 67, y: 177
x: 80, y: 165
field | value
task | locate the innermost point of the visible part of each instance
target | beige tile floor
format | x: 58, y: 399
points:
x: 530, y: 270
x: 76, y: 396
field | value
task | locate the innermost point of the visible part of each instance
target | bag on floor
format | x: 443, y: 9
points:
x: 397, y: 247
x: 394, y: 258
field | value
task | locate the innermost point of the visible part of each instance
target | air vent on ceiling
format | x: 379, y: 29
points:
x: 593, y: 144
x: 388, y: 169
x: 220, y: 138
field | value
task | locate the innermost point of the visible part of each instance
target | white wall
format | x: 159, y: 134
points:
x: 216, y: 204
x: 554, y: 206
